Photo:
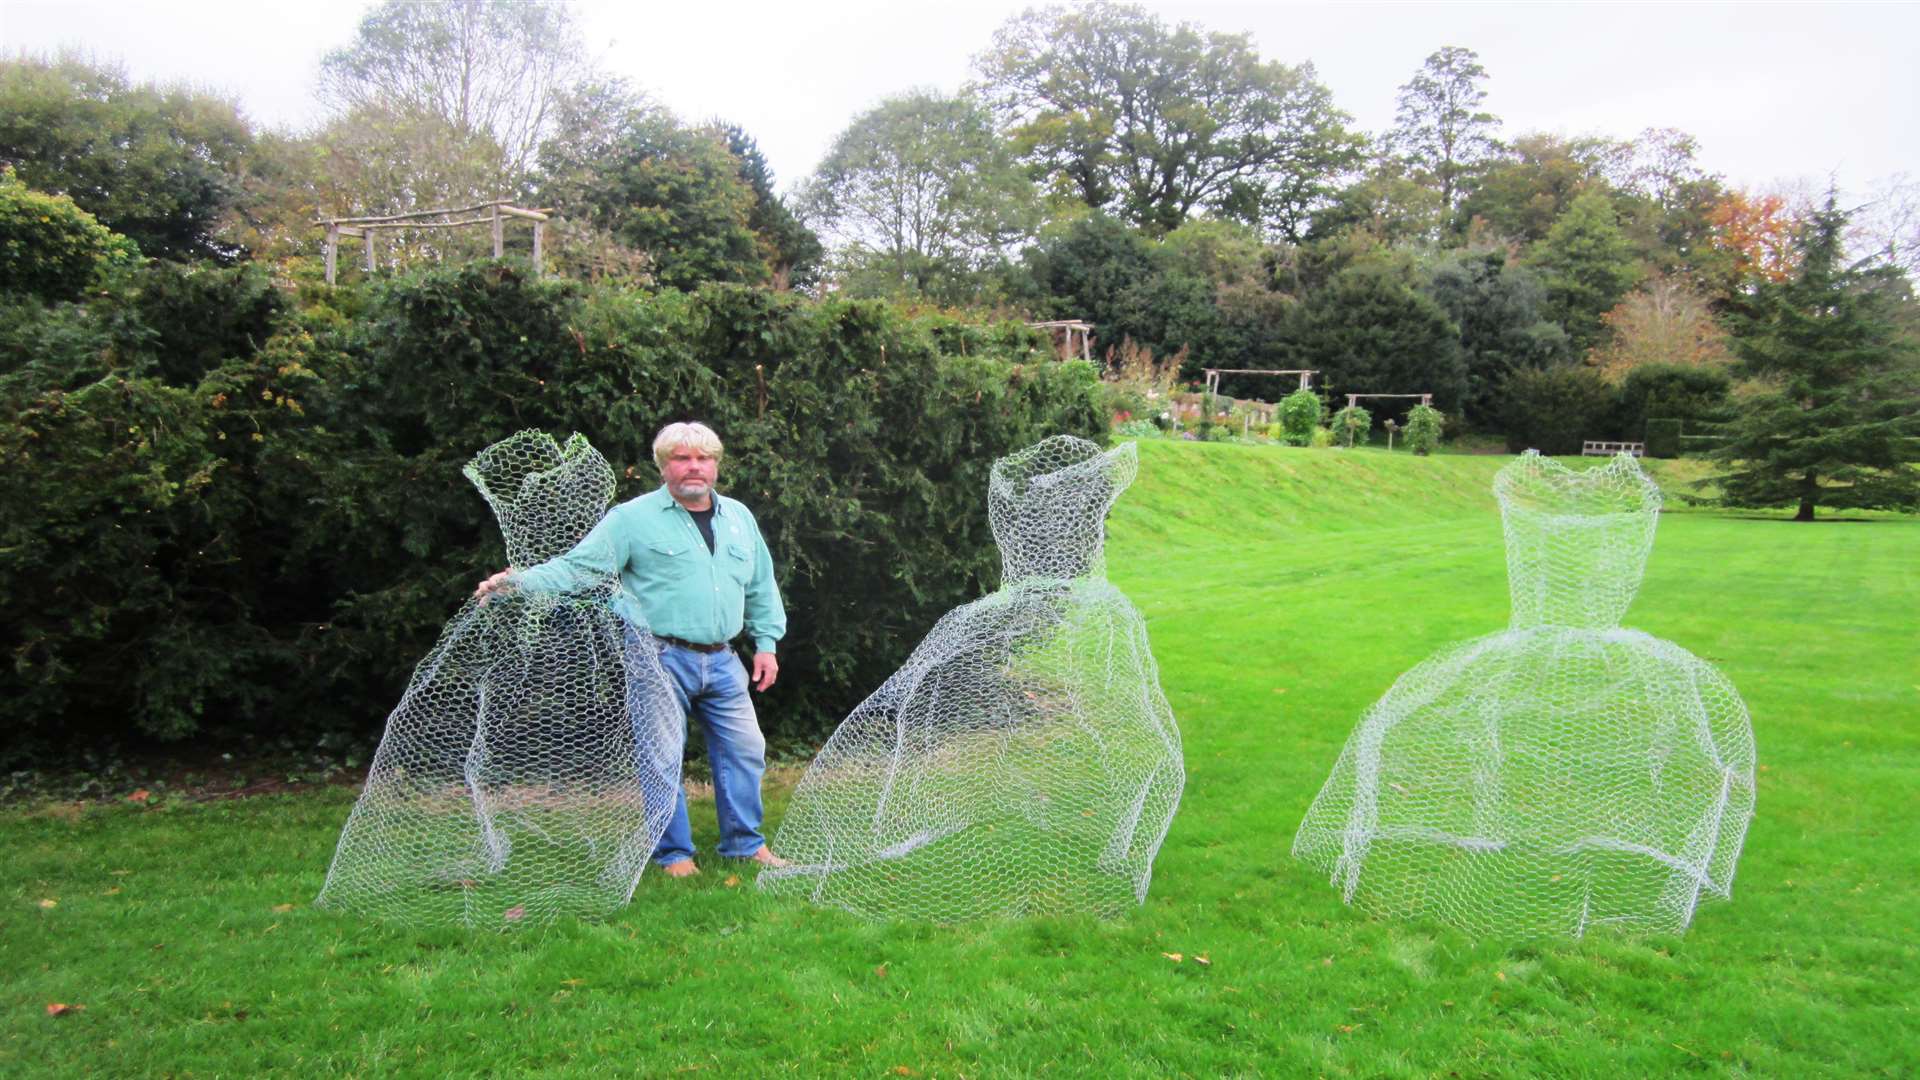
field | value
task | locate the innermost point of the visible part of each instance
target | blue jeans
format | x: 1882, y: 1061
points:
x: 713, y: 686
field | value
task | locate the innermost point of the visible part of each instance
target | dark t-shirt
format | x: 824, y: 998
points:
x: 704, y: 519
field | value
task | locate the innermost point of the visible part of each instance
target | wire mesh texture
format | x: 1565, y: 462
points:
x: 1559, y: 775
x: 1023, y: 761
x: 534, y: 759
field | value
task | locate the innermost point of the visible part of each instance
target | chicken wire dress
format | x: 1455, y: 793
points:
x: 1559, y: 775
x: 1024, y: 760
x: 534, y: 758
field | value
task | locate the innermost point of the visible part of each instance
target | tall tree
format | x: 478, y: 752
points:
x: 158, y: 165
x: 678, y: 194
x: 1439, y: 127
x: 489, y: 66
x: 919, y: 191
x: 1588, y: 266
x: 1666, y: 321
x: 793, y: 251
x: 1838, y: 424
x: 1520, y: 194
x: 1500, y: 309
x: 1118, y: 109
x: 1370, y: 331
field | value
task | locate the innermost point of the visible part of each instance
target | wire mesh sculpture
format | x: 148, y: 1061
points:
x: 1562, y: 774
x: 533, y: 762
x: 1024, y: 760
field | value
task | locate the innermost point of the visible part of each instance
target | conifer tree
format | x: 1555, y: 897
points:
x: 1840, y: 426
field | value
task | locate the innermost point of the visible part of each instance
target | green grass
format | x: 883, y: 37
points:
x: 1284, y: 590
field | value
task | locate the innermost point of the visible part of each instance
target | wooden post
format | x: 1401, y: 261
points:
x: 499, y: 233
x: 539, y: 263
x: 369, y: 235
x: 1086, y: 345
x: 333, y: 245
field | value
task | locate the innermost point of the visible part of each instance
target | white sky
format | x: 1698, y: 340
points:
x: 1779, y: 94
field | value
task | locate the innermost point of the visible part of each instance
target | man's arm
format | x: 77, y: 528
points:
x: 597, y: 556
x: 766, y: 617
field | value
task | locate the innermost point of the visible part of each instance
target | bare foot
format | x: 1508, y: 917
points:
x: 766, y: 857
x: 682, y: 868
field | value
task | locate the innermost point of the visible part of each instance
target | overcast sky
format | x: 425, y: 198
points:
x: 1779, y: 94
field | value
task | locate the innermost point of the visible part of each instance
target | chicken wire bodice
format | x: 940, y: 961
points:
x: 1556, y: 776
x: 1023, y: 761
x: 1048, y: 507
x: 1577, y: 542
x: 534, y: 759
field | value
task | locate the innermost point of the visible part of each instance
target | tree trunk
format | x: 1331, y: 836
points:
x: 1809, y: 495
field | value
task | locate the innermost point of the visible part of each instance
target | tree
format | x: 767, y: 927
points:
x: 1118, y: 109
x: 1554, y: 410
x: 1369, y: 331
x: 1439, y: 129
x: 1837, y: 427
x: 1522, y: 193
x: 657, y: 186
x: 1886, y: 231
x: 157, y: 165
x: 920, y: 190
x: 794, y: 252
x: 1500, y: 309
x: 1755, y: 236
x: 1665, y: 321
x: 478, y: 66
x: 1588, y: 266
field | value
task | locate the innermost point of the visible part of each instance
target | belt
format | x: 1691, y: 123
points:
x: 694, y: 645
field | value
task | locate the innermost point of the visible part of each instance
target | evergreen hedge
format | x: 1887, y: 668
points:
x: 221, y: 536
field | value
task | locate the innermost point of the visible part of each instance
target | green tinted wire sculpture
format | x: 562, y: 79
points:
x: 1560, y: 775
x: 1023, y: 761
x: 533, y: 761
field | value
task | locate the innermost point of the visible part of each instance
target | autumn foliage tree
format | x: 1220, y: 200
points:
x: 1667, y: 320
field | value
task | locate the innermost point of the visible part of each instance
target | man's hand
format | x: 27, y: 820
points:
x: 495, y: 584
x: 765, y: 670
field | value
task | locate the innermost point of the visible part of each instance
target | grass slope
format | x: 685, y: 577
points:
x: 1284, y: 590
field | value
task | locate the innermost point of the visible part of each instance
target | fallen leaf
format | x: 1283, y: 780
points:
x: 283, y: 907
x: 112, y: 891
x: 1347, y: 1029
x: 1173, y: 956
x: 732, y: 881
x: 573, y: 982
x: 515, y: 913
x: 49, y: 903
x: 140, y: 796
x: 120, y: 873
x: 1201, y: 958
x: 1326, y: 961
x: 902, y: 1070
x: 881, y: 971
x: 61, y: 1008
x: 1501, y: 975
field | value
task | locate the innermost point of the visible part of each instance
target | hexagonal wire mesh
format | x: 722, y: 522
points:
x: 1562, y: 774
x: 1024, y: 760
x: 534, y: 759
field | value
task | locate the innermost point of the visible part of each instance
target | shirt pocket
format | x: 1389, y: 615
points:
x: 669, y: 560
x: 739, y: 563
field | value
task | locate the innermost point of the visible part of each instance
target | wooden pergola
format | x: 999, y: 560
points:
x: 1354, y: 399
x: 1213, y: 375
x: 1070, y: 328
x: 494, y: 214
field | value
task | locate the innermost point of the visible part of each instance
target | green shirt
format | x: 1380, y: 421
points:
x: 668, y: 579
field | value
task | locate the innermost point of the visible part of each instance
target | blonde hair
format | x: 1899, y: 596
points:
x: 673, y: 436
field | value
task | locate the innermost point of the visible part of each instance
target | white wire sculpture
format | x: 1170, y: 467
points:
x: 533, y: 762
x: 1024, y: 760
x: 1562, y: 774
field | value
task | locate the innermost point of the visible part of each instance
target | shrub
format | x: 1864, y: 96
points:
x: 1663, y: 438
x: 50, y: 248
x: 1556, y: 409
x: 1351, y: 426
x: 1300, y: 414
x: 1322, y: 437
x: 1672, y: 391
x: 1423, y: 429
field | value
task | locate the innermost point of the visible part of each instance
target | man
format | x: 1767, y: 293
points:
x: 694, y: 566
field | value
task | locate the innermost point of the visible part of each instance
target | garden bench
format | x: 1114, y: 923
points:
x: 1601, y: 448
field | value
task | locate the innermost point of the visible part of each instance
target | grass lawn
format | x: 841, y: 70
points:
x: 1284, y: 590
